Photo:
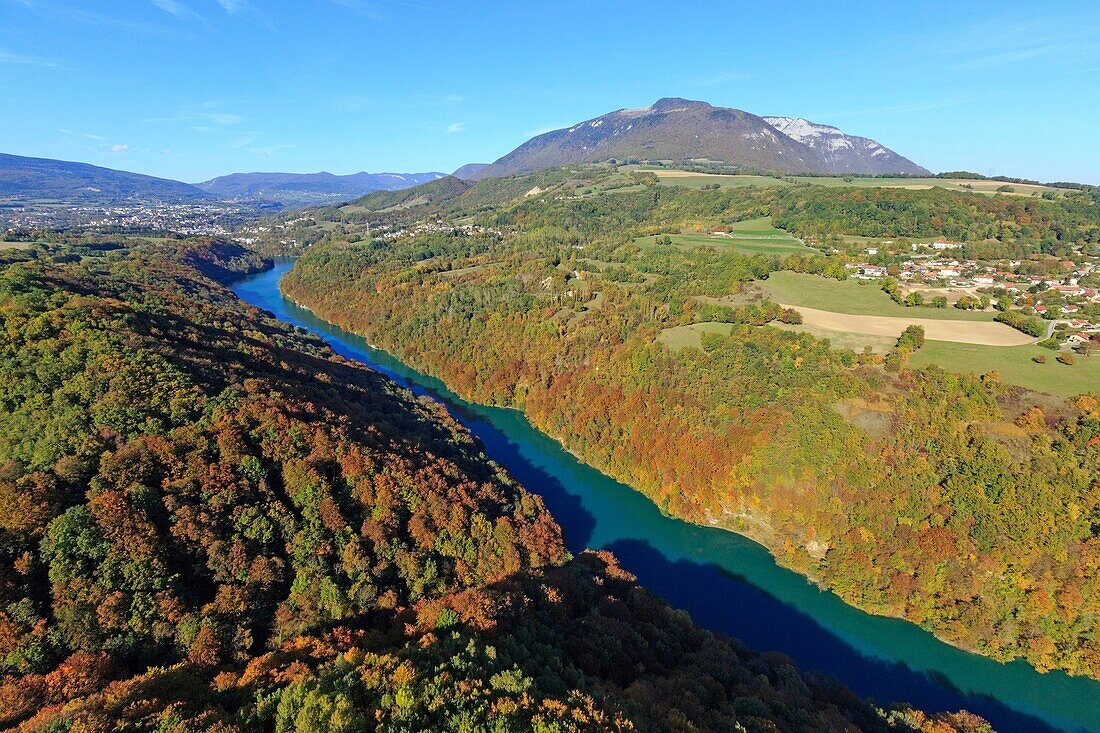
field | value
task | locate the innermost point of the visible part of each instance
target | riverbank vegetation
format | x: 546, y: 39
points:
x: 919, y: 492
x: 210, y: 522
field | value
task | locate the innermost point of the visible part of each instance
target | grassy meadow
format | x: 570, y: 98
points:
x: 751, y: 237
x: 690, y: 179
x: 1015, y: 365
x: 951, y: 184
x: 855, y: 297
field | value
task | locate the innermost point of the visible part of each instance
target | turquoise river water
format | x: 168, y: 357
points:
x: 729, y: 583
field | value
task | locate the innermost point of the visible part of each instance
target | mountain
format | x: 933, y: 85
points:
x: 291, y: 189
x: 680, y: 129
x: 43, y: 178
x: 470, y: 170
x: 432, y: 192
x: 842, y: 152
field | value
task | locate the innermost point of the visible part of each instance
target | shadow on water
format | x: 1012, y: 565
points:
x: 728, y: 583
x: 723, y: 602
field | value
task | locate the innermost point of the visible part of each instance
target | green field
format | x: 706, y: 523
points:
x: 678, y: 337
x: 855, y: 297
x: 753, y: 236
x: 952, y: 184
x: 674, y: 177
x: 1013, y: 362
x: 1015, y: 365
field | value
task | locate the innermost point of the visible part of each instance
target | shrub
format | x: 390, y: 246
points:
x: 911, y: 338
x: 1039, y: 359
x: 1067, y: 358
x: 1030, y: 325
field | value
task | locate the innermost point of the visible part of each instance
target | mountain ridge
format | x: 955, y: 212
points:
x: 849, y: 153
x: 678, y: 129
x: 27, y: 179
x: 47, y: 178
x: 303, y: 188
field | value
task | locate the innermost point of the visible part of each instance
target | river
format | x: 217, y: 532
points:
x: 729, y: 583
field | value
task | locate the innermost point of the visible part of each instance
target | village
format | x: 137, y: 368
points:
x: 211, y: 219
x: 928, y: 274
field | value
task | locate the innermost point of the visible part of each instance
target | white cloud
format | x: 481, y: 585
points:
x: 88, y: 135
x: 456, y: 127
x: 235, y: 7
x: 1064, y: 40
x: 246, y: 9
x: 897, y: 109
x: 65, y: 13
x: 119, y: 148
x: 223, y: 119
x: 6, y: 57
x: 177, y: 8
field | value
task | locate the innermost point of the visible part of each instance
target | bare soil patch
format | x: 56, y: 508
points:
x: 967, y: 332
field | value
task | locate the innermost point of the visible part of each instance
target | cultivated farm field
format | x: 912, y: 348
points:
x: 826, y: 323
x: 691, y: 179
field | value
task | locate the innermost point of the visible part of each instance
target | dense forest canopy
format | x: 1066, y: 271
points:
x: 966, y: 505
x: 208, y: 521
x: 885, y: 212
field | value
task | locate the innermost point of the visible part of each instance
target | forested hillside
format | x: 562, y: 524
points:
x: 209, y: 522
x: 966, y: 505
x: 817, y: 211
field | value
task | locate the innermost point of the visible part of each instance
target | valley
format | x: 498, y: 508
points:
x: 549, y: 367
x: 761, y: 429
x: 779, y: 376
x: 747, y: 595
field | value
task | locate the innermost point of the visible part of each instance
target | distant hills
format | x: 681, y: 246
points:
x: 469, y: 171
x: 43, y: 178
x: 675, y: 129
x: 672, y: 129
x: 24, y: 179
x: 299, y: 189
x: 437, y: 191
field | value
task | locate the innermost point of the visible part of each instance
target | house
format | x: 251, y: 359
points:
x: 945, y: 244
x: 1077, y: 339
x: 984, y: 279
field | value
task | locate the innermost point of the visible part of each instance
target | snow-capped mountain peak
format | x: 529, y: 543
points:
x: 842, y: 151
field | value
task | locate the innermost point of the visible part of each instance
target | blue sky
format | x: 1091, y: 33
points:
x: 191, y: 89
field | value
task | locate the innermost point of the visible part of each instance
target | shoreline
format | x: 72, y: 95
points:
x: 757, y: 538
